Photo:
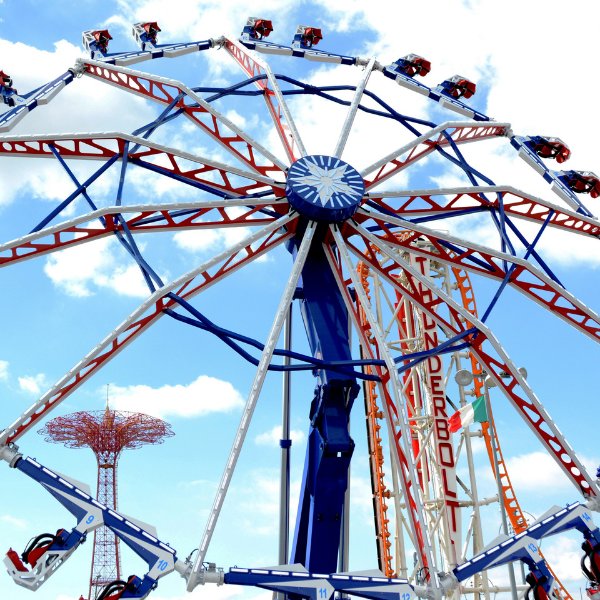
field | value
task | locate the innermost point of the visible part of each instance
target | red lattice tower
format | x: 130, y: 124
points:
x: 107, y: 433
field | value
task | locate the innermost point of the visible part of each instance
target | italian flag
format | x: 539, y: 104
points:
x: 468, y: 414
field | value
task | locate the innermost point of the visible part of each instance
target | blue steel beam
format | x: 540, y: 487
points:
x: 330, y: 447
x: 90, y: 514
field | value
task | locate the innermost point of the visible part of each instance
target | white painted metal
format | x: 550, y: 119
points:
x: 280, y: 99
x: 457, y: 125
x: 501, y: 353
x: 136, y: 141
x: 191, y: 94
x: 395, y: 388
x: 502, y: 256
x: 138, y: 313
x: 129, y: 209
x: 360, y: 90
x: 257, y: 384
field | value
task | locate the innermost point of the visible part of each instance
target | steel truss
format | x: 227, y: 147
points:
x: 384, y: 269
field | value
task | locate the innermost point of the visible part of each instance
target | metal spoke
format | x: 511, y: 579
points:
x: 165, y: 91
x: 253, y: 65
x: 140, y: 218
x: 515, y: 202
x: 530, y: 408
x: 341, y: 143
x: 159, y: 158
x: 139, y: 320
x: 458, y: 131
x: 255, y: 390
x: 490, y: 263
x: 395, y: 386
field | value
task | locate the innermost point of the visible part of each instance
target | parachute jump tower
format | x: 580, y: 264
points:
x: 107, y: 433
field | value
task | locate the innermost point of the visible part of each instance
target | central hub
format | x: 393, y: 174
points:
x: 324, y: 188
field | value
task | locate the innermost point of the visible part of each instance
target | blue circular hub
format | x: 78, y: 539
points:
x: 324, y: 188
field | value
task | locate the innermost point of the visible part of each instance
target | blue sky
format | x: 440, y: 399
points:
x: 56, y: 308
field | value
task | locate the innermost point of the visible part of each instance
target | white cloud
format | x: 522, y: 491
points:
x: 564, y: 554
x: 4, y: 370
x: 31, y: 67
x: 82, y: 270
x: 538, y: 471
x: 216, y: 239
x: 32, y: 384
x: 261, y: 508
x: 273, y: 436
x: 203, y: 396
x: 198, y: 19
x: 14, y: 521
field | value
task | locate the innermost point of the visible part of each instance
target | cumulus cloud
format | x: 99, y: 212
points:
x: 83, y: 270
x: 203, y: 396
x: 564, y: 554
x: 96, y: 102
x: 537, y: 471
x: 33, y: 384
x: 213, y: 240
x: 273, y: 436
x: 261, y: 508
x: 14, y: 521
x: 4, y: 364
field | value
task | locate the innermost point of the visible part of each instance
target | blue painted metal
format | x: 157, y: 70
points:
x: 512, y: 268
x: 329, y: 447
x: 146, y: 34
x: 306, y: 37
x: 160, y: 51
x: 80, y: 189
x: 457, y: 87
x: 560, y: 180
x: 8, y: 93
x: 255, y: 31
x: 395, y: 72
x: 160, y: 557
x: 324, y: 188
x: 342, y: 367
x: 27, y: 102
x: 293, y: 579
x: 446, y: 347
x: 524, y: 546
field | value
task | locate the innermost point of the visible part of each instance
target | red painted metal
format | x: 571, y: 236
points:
x: 57, y: 238
x: 527, y: 406
x: 393, y: 415
x: 514, y: 203
x: 537, y: 287
x: 459, y: 134
x: 252, y: 68
x: 126, y: 333
x: 167, y: 92
x: 107, y: 433
x: 169, y: 161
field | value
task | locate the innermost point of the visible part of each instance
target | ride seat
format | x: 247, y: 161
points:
x: 16, y: 561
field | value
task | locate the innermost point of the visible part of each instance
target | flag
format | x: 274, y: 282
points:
x: 475, y: 411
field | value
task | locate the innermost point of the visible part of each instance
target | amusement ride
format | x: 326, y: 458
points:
x: 371, y: 261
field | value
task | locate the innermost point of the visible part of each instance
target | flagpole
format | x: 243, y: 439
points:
x: 477, y: 529
x: 488, y: 407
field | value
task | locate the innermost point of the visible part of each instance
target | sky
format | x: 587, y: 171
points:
x: 533, y: 64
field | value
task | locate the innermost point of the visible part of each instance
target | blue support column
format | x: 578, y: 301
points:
x: 330, y: 447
